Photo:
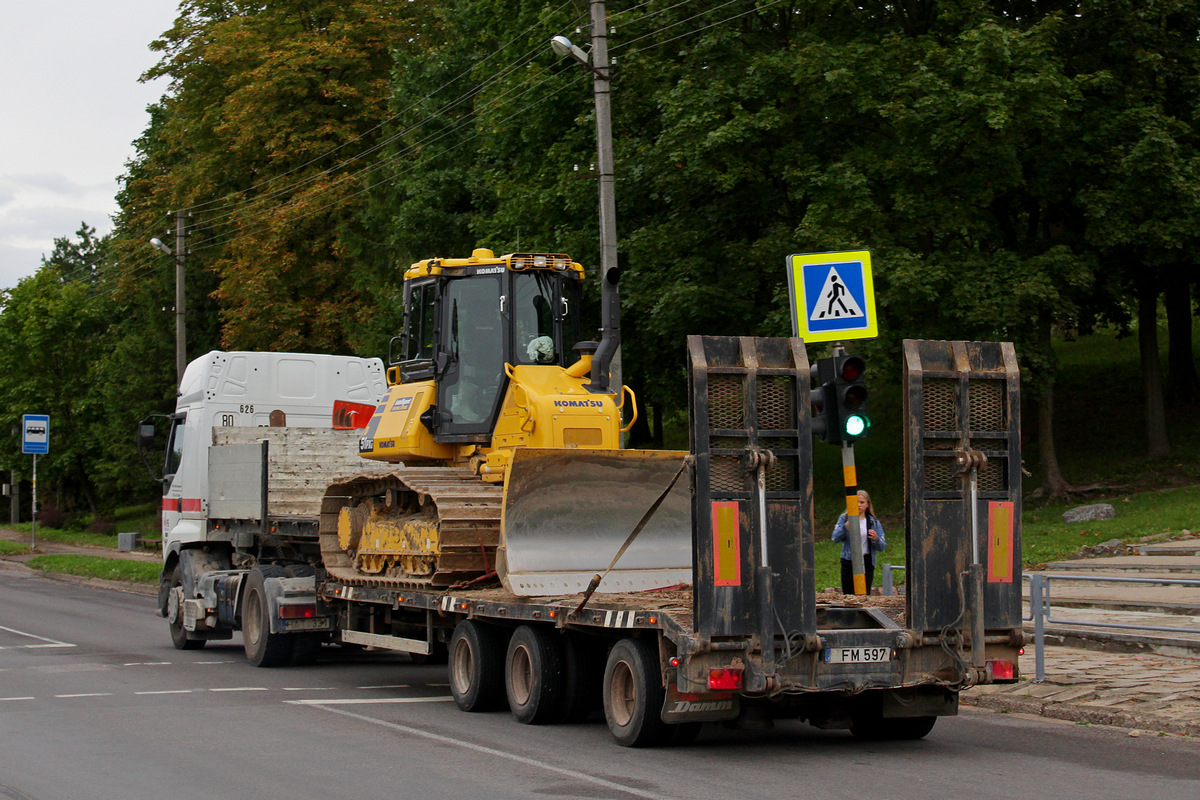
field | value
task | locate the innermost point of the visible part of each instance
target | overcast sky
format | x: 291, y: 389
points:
x: 70, y: 108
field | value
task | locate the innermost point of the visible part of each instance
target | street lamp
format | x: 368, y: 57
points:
x: 608, y: 353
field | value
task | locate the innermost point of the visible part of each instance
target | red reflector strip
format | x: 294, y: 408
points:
x: 297, y: 611
x: 190, y: 504
x: 1002, y: 670
x: 726, y: 679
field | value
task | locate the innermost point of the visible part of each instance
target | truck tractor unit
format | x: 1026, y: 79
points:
x: 476, y: 506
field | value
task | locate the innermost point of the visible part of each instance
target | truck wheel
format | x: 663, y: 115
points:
x: 583, y: 670
x: 633, y: 695
x: 533, y: 678
x: 182, y: 639
x: 476, y: 666
x: 263, y: 648
x: 876, y: 728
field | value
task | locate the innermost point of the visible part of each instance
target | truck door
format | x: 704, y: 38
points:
x: 172, y: 480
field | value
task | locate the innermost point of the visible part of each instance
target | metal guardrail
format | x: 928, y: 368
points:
x: 1040, y: 609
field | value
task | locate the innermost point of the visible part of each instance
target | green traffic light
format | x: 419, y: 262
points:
x: 856, y: 425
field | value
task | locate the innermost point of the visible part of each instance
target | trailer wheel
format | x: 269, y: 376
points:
x: 533, y: 678
x: 583, y: 671
x: 877, y: 728
x: 180, y: 637
x: 476, y: 666
x: 633, y: 695
x: 263, y: 648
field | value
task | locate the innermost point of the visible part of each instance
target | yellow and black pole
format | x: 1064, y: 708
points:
x: 853, y: 534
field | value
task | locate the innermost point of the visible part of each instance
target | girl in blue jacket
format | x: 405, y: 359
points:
x: 871, y: 531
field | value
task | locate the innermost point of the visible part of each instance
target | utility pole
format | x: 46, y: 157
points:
x: 180, y: 316
x: 180, y: 255
x: 601, y: 92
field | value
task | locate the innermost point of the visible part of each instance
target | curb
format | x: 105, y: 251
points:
x: 79, y: 580
x: 1111, y: 642
x: 1079, y: 713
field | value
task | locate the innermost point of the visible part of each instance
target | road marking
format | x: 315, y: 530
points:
x: 11, y: 699
x: 240, y: 689
x: 87, y: 694
x: 308, y: 688
x: 48, y: 642
x: 386, y: 686
x: 168, y: 691
x: 368, y: 701
x: 204, y: 663
x: 147, y: 664
x: 491, y: 751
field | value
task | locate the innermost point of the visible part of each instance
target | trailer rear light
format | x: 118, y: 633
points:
x: 726, y: 679
x: 1002, y: 671
x: 674, y: 661
x: 297, y: 611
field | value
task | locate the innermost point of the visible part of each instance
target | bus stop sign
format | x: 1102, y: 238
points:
x: 35, y: 434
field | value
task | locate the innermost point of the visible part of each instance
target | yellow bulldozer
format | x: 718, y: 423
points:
x: 505, y: 433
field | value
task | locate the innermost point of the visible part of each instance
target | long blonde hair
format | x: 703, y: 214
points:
x: 870, y: 506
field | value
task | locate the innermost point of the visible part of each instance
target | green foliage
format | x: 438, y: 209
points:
x: 10, y: 548
x: 110, y: 569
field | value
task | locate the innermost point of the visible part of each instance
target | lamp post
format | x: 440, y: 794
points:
x: 608, y: 353
x: 180, y: 317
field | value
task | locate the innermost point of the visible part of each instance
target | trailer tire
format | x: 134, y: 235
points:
x: 476, y: 666
x: 876, y: 728
x: 583, y: 671
x: 633, y: 695
x: 533, y: 679
x: 180, y: 637
x: 263, y: 648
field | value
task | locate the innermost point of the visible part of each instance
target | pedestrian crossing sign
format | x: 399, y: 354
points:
x: 833, y: 298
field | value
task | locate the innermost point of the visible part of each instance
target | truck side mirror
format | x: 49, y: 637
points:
x: 145, y: 437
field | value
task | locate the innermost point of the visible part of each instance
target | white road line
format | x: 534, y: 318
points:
x: 491, y: 751
x: 240, y: 689
x: 308, y: 688
x: 205, y: 663
x: 168, y: 691
x: 87, y: 694
x: 368, y: 701
x: 147, y: 664
x: 11, y: 699
x: 387, y: 686
x: 49, y: 642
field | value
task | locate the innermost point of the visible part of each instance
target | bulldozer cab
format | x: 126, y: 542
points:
x: 466, y: 318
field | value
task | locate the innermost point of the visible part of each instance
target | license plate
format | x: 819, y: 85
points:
x: 857, y: 655
x: 318, y: 624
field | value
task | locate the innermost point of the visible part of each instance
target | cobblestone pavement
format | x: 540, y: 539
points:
x: 1146, y: 693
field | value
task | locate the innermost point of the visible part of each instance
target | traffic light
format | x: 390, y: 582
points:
x: 839, y: 399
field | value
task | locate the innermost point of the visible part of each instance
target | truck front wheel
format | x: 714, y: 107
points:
x: 633, y: 695
x: 476, y: 666
x: 263, y: 648
x: 180, y: 637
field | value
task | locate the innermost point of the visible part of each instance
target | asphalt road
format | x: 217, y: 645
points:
x: 95, y: 703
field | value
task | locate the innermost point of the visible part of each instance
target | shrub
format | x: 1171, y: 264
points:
x: 51, y: 516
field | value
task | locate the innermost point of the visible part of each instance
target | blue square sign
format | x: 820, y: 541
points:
x: 833, y: 297
x: 35, y: 434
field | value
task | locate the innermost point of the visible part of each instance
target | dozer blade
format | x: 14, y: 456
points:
x: 568, y: 512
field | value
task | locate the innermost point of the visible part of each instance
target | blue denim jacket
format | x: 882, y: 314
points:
x: 839, y: 535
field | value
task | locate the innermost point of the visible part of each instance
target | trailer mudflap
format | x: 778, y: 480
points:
x: 703, y: 707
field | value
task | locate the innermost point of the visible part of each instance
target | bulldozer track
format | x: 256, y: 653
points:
x: 468, y: 521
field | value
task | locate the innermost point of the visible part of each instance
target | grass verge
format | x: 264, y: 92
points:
x: 9, y: 548
x: 111, y: 569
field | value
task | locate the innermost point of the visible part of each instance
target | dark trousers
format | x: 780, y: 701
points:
x: 848, y: 573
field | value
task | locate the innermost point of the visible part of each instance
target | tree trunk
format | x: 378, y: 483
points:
x: 1053, y: 483
x: 1156, y: 416
x: 1181, y: 360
